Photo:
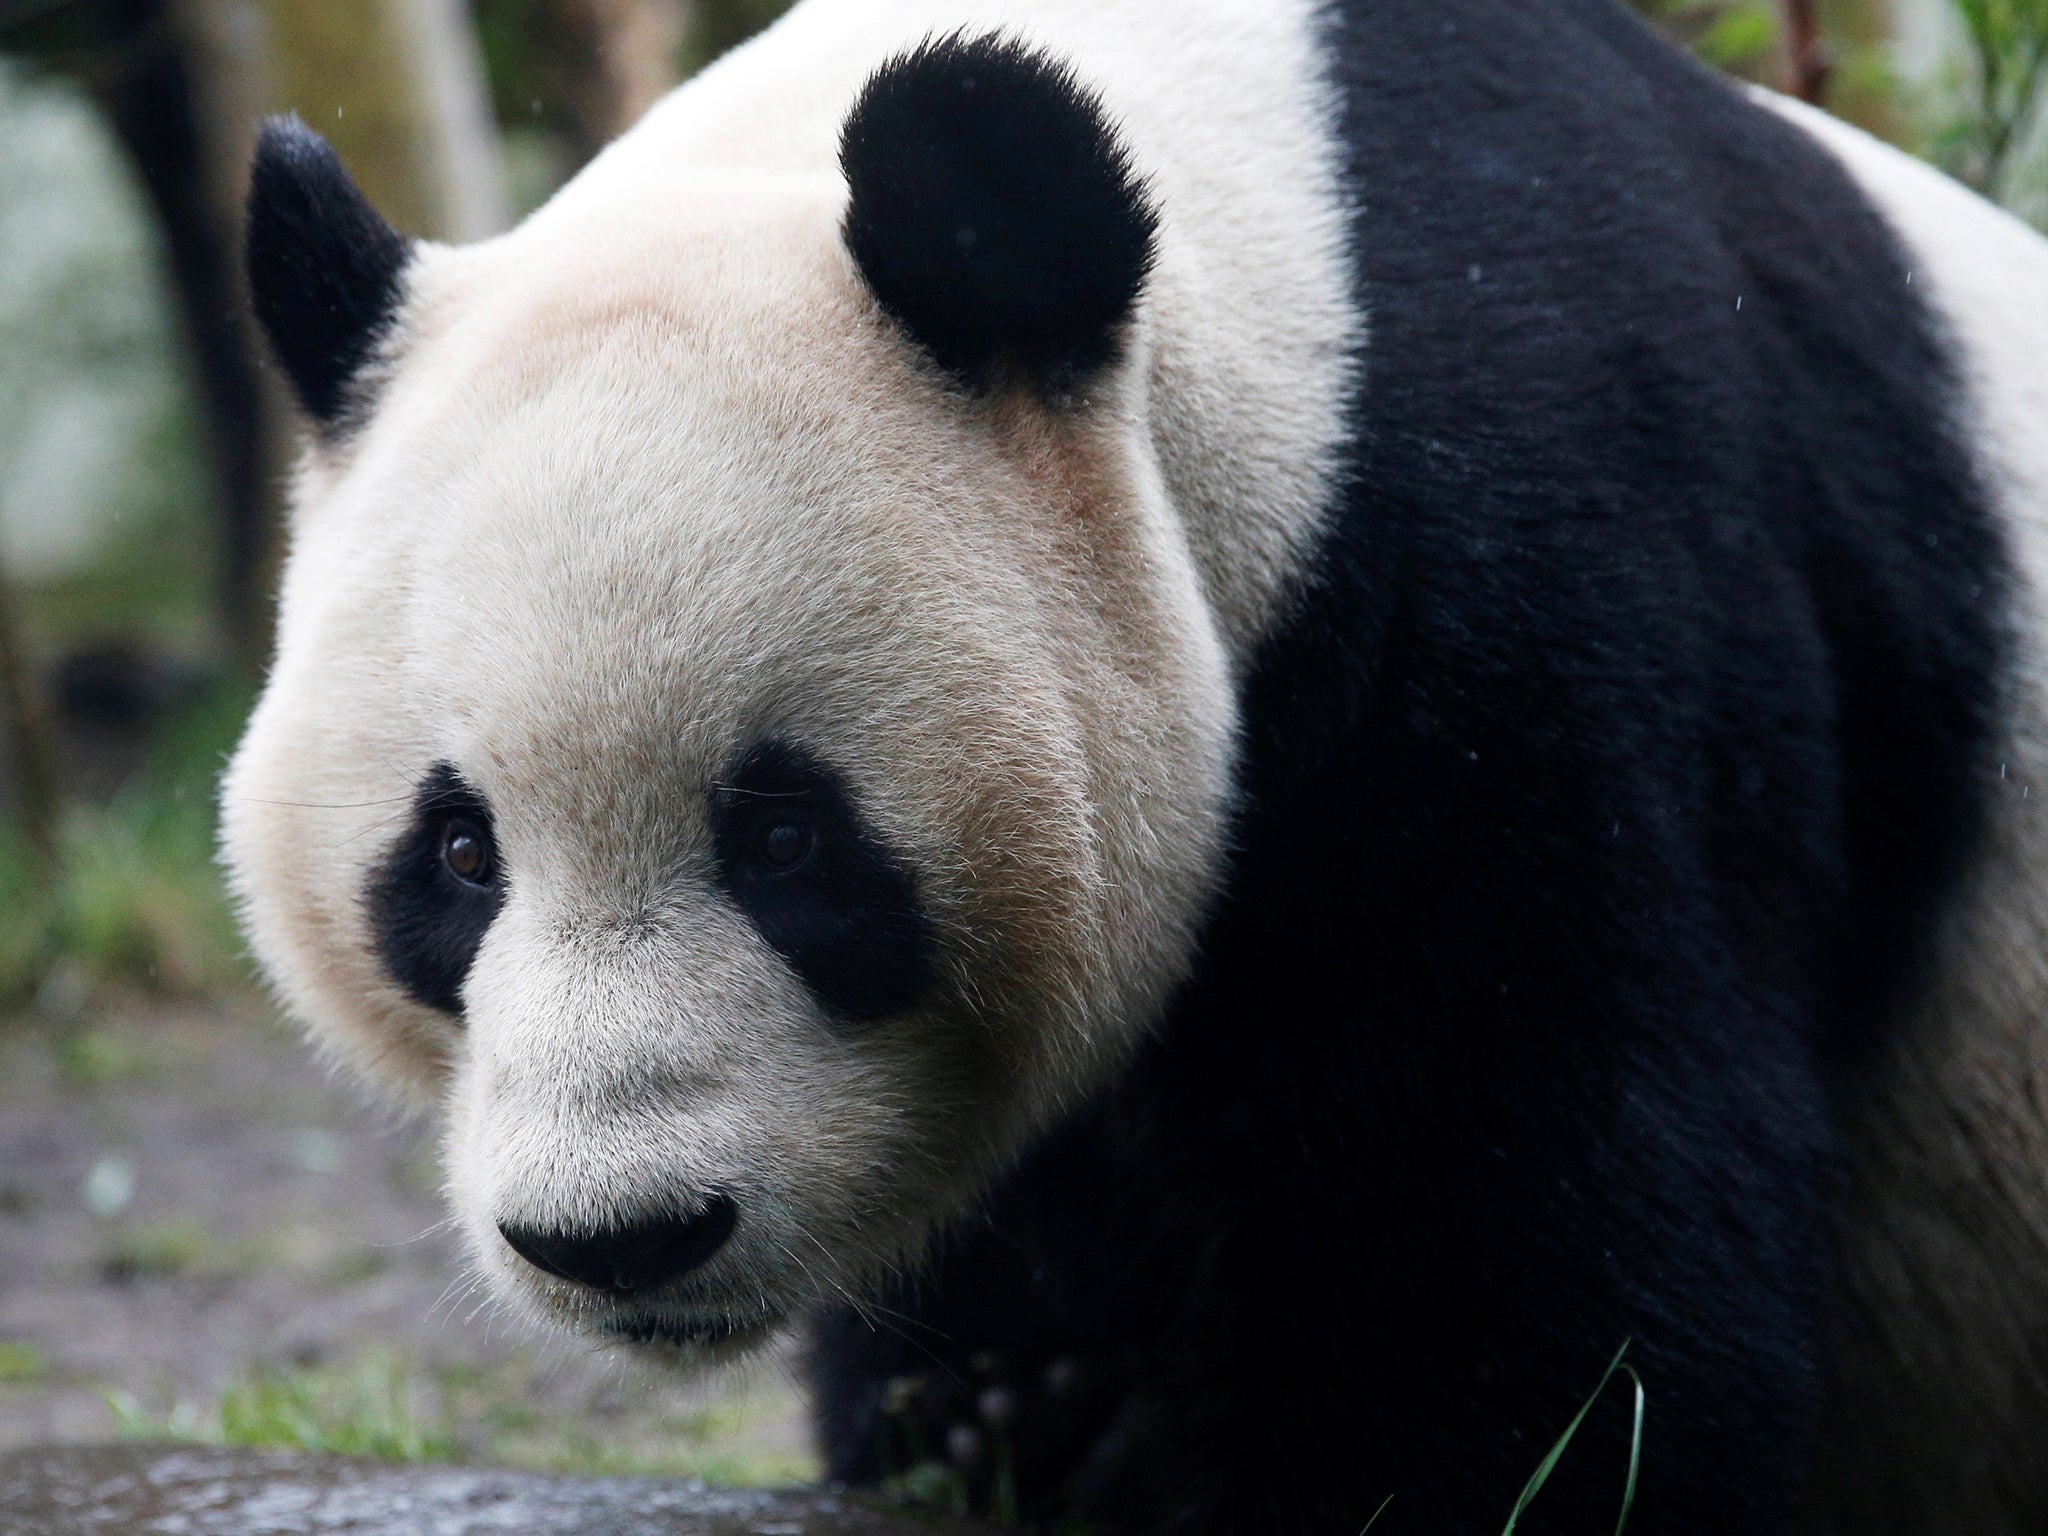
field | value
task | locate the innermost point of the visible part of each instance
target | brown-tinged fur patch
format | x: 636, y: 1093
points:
x: 1938, y: 1409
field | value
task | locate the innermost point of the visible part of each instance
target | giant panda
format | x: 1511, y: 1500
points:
x: 1221, y: 732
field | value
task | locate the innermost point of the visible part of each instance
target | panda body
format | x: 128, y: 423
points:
x: 1234, y: 730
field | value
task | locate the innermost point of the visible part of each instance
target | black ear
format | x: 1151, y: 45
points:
x: 325, y: 271
x: 993, y: 211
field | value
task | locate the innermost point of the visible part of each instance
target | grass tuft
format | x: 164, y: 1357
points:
x: 92, y: 1058
x: 135, y: 899
x: 377, y: 1407
x: 373, y: 1409
x: 22, y: 1363
x: 157, y: 1251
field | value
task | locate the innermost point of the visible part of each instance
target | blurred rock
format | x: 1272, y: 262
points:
x: 132, y: 1489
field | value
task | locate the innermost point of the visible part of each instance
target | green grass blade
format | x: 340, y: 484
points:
x: 1556, y: 1454
x: 1635, y: 1446
x: 1375, y: 1520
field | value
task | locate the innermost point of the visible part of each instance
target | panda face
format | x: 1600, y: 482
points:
x: 746, y: 781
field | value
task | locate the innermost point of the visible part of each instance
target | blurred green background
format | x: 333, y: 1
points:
x: 142, y: 453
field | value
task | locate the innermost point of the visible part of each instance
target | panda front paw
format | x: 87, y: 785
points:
x: 999, y: 1438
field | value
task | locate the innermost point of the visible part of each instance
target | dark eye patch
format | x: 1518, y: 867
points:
x: 435, y: 895
x: 827, y: 894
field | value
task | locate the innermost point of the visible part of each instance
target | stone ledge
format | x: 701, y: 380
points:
x: 160, y: 1490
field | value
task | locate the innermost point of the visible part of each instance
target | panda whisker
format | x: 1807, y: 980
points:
x: 455, y: 1293
x: 859, y: 1306
x: 485, y: 1308
x: 881, y: 1320
x: 322, y: 805
x: 470, y: 1280
x: 739, y: 793
x: 375, y: 826
x: 444, y: 798
x: 433, y: 1229
x: 825, y: 1281
x: 877, y: 1316
x: 416, y: 780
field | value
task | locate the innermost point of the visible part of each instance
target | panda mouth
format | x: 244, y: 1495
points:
x: 650, y: 1328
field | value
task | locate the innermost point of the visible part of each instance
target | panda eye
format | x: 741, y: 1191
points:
x: 466, y: 851
x: 784, y: 843
x: 819, y: 884
x: 436, y: 893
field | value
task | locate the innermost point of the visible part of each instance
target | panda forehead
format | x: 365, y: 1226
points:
x: 634, y: 597
x: 709, y: 260
x: 613, y: 526
x: 681, y: 470
x: 652, y: 648
x: 703, y: 370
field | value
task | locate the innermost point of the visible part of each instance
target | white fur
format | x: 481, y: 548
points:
x: 1948, y: 1233
x: 649, y: 476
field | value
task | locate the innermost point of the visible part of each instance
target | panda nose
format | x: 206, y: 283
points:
x: 638, y: 1257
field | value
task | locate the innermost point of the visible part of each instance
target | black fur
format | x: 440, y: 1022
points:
x: 427, y: 921
x: 846, y: 916
x: 1598, y: 797
x: 326, y: 273
x: 993, y: 212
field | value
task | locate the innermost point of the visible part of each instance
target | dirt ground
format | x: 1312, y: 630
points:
x: 189, y: 1205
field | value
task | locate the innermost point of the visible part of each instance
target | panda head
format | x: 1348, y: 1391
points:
x: 746, y: 742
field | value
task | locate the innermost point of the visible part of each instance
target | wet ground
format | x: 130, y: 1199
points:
x: 203, y: 1235
x: 132, y: 1490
